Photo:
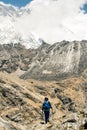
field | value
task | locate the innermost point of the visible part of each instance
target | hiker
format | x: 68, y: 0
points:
x: 46, y: 109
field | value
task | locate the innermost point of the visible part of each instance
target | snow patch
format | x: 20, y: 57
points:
x: 47, y: 72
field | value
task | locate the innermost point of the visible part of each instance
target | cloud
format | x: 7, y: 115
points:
x: 55, y: 20
x: 52, y: 20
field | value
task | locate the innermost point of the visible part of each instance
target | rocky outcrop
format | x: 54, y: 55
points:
x: 48, y: 62
x: 14, y: 56
x: 58, y: 61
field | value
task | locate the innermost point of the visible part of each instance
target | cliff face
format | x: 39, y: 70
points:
x: 47, y: 62
x: 58, y: 61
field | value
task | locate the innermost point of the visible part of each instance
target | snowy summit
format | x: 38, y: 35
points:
x: 49, y: 20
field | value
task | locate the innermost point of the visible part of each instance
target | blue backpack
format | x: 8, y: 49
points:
x: 46, y: 105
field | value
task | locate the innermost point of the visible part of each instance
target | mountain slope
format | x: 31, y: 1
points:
x: 58, y: 61
x: 48, y: 62
x: 8, y: 10
x: 21, y: 101
x: 9, y: 33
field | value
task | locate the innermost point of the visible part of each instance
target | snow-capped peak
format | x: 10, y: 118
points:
x: 50, y: 20
x: 8, y: 10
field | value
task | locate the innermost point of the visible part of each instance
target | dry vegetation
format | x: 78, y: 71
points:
x: 21, y: 100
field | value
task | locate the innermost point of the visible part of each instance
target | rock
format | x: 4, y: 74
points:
x: 65, y: 100
x: 85, y: 125
x: 57, y: 90
x: 71, y: 120
x: 16, y: 118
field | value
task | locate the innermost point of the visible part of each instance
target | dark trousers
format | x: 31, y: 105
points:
x: 47, y: 115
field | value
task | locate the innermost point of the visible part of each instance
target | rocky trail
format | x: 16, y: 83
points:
x: 21, y: 100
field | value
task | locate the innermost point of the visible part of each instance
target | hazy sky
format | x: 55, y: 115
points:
x: 18, y: 3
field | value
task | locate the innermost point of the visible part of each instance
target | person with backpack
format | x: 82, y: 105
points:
x: 46, y: 109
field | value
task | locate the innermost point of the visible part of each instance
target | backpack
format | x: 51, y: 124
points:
x: 46, y: 105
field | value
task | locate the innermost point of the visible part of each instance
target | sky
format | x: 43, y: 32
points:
x: 85, y: 8
x: 18, y: 3
x: 21, y: 3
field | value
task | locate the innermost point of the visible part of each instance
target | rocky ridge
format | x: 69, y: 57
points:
x: 48, y: 62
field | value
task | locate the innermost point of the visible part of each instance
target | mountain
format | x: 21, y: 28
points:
x: 8, y: 28
x: 49, y: 20
x: 47, y: 62
x: 32, y: 67
x: 8, y: 10
x: 58, y: 71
